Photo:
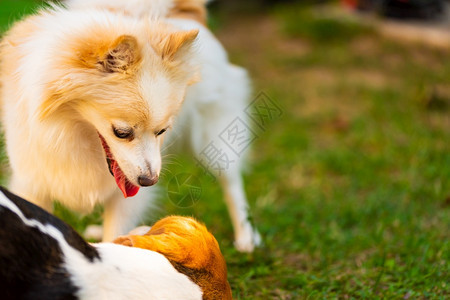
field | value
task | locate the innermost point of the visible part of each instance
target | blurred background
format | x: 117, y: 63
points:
x: 350, y: 183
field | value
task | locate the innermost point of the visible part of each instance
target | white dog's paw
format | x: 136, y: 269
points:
x: 248, y: 240
x: 93, y: 232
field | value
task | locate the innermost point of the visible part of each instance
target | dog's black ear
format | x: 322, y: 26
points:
x: 176, y: 44
x: 120, y: 56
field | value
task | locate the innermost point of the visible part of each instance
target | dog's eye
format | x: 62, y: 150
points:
x: 161, y: 131
x: 123, y: 133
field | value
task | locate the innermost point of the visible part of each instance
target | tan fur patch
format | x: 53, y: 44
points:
x: 190, y: 9
x: 123, y: 54
x: 118, y: 55
x: 175, y: 43
x: 94, y: 54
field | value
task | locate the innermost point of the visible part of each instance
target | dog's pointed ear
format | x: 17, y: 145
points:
x: 118, y: 56
x: 176, y: 44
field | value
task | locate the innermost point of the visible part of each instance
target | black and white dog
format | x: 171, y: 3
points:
x: 41, y: 257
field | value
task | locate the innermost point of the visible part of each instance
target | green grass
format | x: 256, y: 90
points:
x: 350, y: 187
x: 302, y: 21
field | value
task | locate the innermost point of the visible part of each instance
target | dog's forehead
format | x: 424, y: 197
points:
x: 162, y: 95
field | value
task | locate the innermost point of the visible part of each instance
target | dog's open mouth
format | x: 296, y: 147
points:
x: 128, y: 189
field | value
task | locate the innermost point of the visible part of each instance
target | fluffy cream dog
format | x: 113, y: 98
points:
x: 105, y: 79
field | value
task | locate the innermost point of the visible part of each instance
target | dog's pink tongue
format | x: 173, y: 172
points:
x: 128, y: 189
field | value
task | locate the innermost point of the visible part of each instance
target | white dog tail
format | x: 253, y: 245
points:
x: 187, y: 9
x: 190, y: 9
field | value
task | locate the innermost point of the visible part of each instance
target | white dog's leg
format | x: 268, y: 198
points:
x: 93, y: 232
x: 122, y: 215
x: 246, y: 237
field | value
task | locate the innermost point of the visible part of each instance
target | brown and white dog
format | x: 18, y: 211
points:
x: 88, y: 91
x: 41, y: 257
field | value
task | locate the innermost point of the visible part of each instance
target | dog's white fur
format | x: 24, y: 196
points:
x: 66, y: 162
x: 121, y: 273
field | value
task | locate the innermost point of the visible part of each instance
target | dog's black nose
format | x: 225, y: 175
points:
x: 147, y: 181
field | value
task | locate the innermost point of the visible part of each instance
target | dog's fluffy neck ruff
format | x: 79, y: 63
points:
x: 80, y: 271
